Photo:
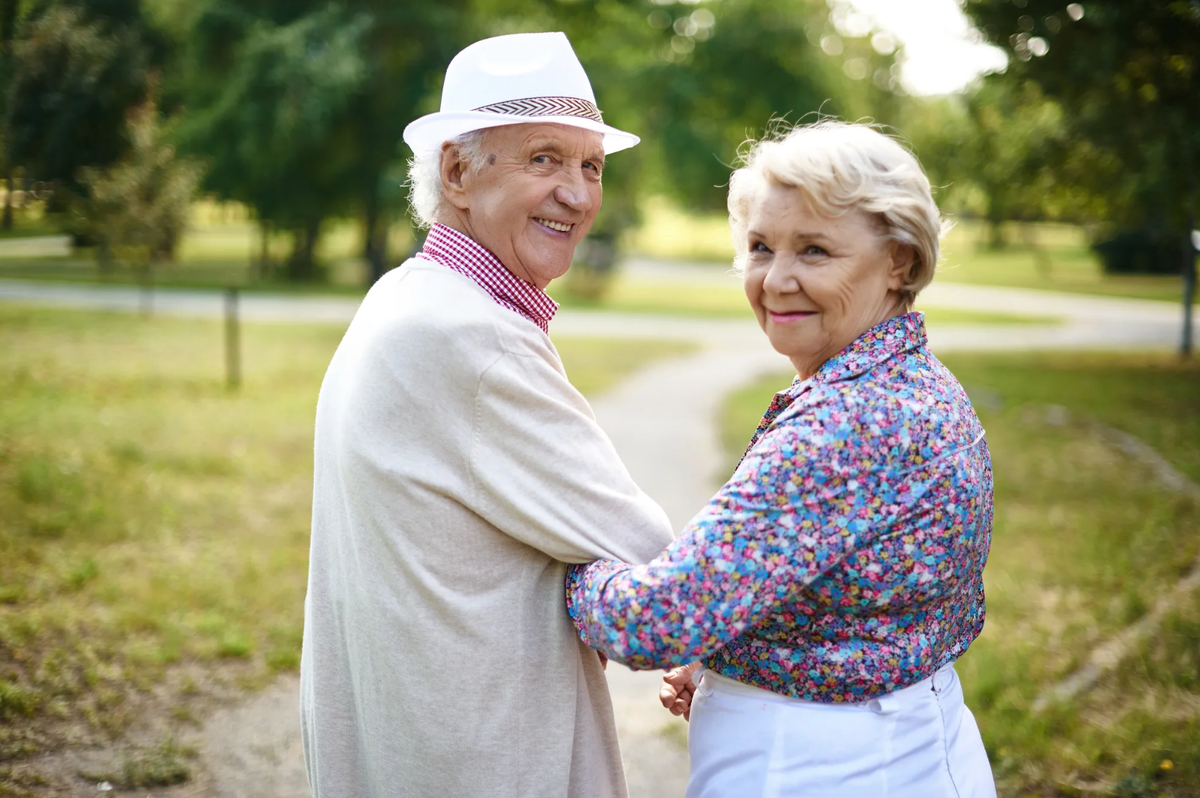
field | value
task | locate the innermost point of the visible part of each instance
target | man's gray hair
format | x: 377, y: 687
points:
x: 424, y: 182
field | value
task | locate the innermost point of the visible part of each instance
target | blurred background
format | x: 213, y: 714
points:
x: 258, y: 143
x: 228, y: 176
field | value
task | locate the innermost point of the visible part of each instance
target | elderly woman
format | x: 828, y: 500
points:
x: 830, y: 585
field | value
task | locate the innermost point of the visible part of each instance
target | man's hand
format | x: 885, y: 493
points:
x: 676, y: 694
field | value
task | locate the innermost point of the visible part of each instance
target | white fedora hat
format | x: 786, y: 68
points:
x: 524, y: 78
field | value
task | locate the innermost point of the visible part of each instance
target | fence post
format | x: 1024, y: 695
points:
x: 233, y: 347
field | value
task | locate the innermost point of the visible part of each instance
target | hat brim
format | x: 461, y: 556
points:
x: 429, y: 132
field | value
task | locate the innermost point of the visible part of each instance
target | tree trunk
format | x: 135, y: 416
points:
x: 8, y: 198
x: 302, y: 266
x: 262, y: 265
x: 995, y: 224
x: 1189, y: 287
x: 375, y: 236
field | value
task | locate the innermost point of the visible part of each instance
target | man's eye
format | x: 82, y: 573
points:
x: 595, y: 167
x: 541, y: 159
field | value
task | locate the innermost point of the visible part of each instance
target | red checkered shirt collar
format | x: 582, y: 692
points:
x: 464, y: 255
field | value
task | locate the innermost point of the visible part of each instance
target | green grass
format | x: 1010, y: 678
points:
x: 1085, y: 539
x: 630, y: 294
x: 1045, y: 256
x: 218, y: 249
x: 154, y: 525
x: 29, y: 227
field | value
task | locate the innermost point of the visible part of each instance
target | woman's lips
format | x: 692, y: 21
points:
x: 787, y: 318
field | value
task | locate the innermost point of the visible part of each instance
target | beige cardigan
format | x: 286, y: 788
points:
x: 457, y: 472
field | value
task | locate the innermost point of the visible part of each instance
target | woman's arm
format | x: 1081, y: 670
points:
x: 794, y: 508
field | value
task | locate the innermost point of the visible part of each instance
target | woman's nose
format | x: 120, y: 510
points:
x: 780, y: 277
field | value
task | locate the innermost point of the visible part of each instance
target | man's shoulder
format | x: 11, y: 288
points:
x: 425, y: 311
x: 432, y: 293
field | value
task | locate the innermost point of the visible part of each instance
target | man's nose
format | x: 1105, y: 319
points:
x: 572, y: 191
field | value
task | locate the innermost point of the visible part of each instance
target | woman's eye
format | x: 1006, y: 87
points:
x: 813, y: 249
x: 758, y: 246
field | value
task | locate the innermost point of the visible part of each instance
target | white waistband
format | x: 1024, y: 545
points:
x: 941, y: 679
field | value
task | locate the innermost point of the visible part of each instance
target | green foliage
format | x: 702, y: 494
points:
x: 265, y: 99
x: 299, y: 107
x: 1127, y: 75
x: 758, y: 61
x: 137, y: 210
x: 995, y: 152
x: 77, y: 68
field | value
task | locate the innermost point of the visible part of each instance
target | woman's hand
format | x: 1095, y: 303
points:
x: 676, y: 694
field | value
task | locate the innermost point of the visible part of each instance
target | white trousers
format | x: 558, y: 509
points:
x: 919, y: 742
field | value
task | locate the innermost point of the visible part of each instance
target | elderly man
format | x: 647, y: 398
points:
x: 458, y: 472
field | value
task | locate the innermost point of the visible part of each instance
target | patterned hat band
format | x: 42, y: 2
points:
x: 545, y: 106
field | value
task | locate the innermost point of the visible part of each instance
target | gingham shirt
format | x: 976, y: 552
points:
x: 465, y: 255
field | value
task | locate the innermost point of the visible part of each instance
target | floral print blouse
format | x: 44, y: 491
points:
x: 843, y: 560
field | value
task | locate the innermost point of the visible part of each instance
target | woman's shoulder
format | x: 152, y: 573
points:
x: 896, y: 407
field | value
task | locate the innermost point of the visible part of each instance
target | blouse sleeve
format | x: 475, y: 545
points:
x: 792, y: 510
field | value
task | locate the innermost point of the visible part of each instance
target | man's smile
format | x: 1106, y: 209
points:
x: 561, y: 227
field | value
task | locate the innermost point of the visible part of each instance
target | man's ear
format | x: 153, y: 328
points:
x: 452, y: 168
x: 903, y: 259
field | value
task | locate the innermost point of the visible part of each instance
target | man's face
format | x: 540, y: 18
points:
x: 534, y: 197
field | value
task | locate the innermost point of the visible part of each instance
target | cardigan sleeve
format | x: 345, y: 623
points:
x: 544, y: 472
x: 792, y: 511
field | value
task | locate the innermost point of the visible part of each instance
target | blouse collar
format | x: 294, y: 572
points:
x: 883, y: 341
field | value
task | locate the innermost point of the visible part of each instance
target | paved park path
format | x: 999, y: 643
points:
x: 661, y: 420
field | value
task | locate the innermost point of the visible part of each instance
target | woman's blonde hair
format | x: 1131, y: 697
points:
x: 842, y: 167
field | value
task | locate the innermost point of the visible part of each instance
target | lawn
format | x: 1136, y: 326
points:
x: 631, y: 294
x: 217, y: 253
x: 223, y: 242
x: 1044, y: 256
x: 1085, y: 540
x: 154, y: 525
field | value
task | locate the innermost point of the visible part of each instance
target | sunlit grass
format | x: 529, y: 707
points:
x: 1045, y: 256
x: 1085, y: 540
x: 153, y: 524
x: 632, y: 294
x: 223, y: 243
x: 671, y: 234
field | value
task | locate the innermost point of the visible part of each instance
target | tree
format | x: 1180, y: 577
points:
x: 993, y: 151
x: 77, y: 69
x: 137, y: 209
x: 8, y: 28
x: 299, y: 107
x: 1127, y: 75
x: 732, y: 67
x: 264, y: 109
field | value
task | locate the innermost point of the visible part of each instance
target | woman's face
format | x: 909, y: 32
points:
x: 817, y: 283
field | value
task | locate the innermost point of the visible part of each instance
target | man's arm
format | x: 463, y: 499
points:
x: 544, y: 472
